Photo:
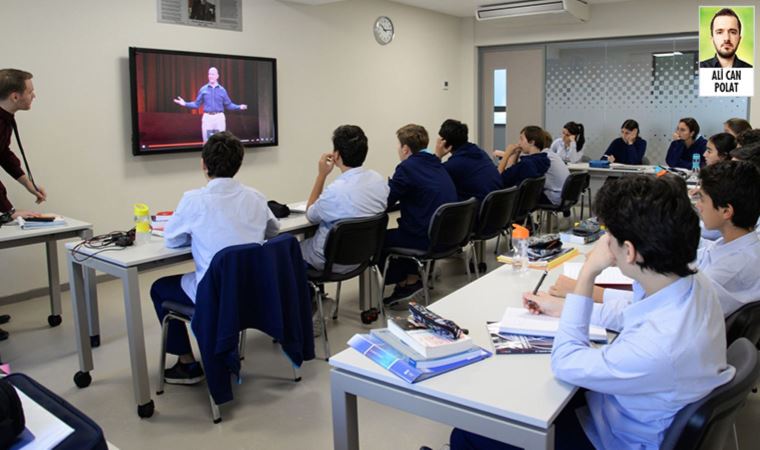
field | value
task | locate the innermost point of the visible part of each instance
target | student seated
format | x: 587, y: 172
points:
x: 729, y: 201
x: 469, y: 166
x: 749, y: 153
x: 736, y: 126
x: 569, y: 147
x: 209, y: 219
x: 748, y: 137
x: 357, y: 192
x: 556, y: 176
x: 525, y: 159
x: 719, y: 148
x: 419, y: 185
x: 629, y: 148
x: 686, y: 143
x: 671, y: 350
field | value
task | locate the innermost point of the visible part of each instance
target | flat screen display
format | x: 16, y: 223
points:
x: 180, y: 99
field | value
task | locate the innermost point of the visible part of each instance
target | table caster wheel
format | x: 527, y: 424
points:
x: 95, y: 341
x: 82, y: 379
x: 146, y: 410
x: 54, y: 320
x: 369, y: 315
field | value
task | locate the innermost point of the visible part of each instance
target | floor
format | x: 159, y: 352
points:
x: 270, y: 411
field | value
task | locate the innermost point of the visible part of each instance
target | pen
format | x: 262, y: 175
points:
x: 540, y: 281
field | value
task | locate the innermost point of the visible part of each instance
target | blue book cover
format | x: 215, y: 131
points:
x: 395, y: 362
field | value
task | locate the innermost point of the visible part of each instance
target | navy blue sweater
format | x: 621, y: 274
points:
x: 529, y: 166
x: 473, y: 172
x: 420, y: 184
x: 627, y: 154
x: 681, y: 156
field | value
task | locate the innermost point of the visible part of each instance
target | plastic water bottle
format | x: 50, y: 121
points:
x: 520, y: 248
x: 142, y: 223
x: 694, y: 175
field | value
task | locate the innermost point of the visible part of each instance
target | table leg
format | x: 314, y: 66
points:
x: 76, y: 281
x: 344, y: 416
x: 136, y: 337
x: 54, y: 283
x: 91, y: 297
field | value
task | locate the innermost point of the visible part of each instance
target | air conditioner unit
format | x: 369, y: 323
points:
x: 576, y: 9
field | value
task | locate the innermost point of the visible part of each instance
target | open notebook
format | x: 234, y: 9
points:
x: 611, y: 276
x: 299, y: 207
x: 523, y: 322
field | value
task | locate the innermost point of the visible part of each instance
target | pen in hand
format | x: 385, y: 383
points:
x: 533, y: 305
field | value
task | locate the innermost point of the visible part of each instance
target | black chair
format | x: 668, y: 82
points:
x: 495, y: 217
x: 705, y: 424
x: 527, y: 202
x: 449, y: 232
x: 571, y: 194
x: 744, y: 322
x: 356, y: 243
x: 586, y: 195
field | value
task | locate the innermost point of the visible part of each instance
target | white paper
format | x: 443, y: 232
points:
x: 610, y: 275
x: 299, y: 207
x: 43, y: 429
x: 522, y: 321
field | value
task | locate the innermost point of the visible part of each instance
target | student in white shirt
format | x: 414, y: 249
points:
x: 569, y: 147
x: 357, y: 192
x: 671, y: 350
x: 209, y: 219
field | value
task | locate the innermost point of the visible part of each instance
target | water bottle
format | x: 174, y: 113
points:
x: 142, y: 223
x: 694, y: 175
x: 519, y: 248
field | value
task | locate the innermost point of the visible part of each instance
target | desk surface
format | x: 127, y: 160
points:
x: 14, y: 232
x: 517, y: 387
x: 615, y: 168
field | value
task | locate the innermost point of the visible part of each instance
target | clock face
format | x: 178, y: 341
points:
x: 383, y: 30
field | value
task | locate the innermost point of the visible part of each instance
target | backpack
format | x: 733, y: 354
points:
x: 11, y: 414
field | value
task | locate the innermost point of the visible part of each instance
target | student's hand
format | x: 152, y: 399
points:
x: 676, y: 137
x: 180, y: 101
x: 440, y: 148
x: 499, y: 153
x: 600, y: 258
x: 511, y: 148
x: 243, y: 107
x: 563, y: 286
x: 611, y: 159
x: 543, y: 303
x: 571, y: 138
x: 25, y: 214
x: 325, y: 165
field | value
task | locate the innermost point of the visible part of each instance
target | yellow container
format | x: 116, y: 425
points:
x: 142, y: 218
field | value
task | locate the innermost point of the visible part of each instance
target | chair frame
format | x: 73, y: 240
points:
x: 566, y: 201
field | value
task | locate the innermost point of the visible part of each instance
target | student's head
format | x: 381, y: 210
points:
x: 629, y: 129
x: 748, y: 137
x: 726, y: 32
x: 729, y: 192
x: 351, y: 144
x: 687, y: 129
x: 532, y: 139
x: 16, y: 87
x: 719, y: 148
x: 736, y: 126
x: 411, y: 139
x: 213, y: 75
x: 575, y: 129
x: 749, y: 153
x: 222, y: 155
x: 651, y: 223
x: 453, y: 133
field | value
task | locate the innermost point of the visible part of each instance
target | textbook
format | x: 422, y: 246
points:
x: 508, y: 344
x: 611, y: 276
x: 546, y: 263
x: 523, y: 322
x: 426, y: 342
x: 46, y: 221
x: 415, y: 359
x: 388, y: 358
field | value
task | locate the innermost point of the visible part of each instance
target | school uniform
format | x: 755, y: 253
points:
x: 625, y: 153
x: 473, y: 172
x: 734, y: 268
x: 556, y: 176
x: 568, y: 153
x: 528, y: 166
x: 679, y: 155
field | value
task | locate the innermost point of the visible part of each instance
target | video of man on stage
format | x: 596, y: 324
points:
x: 180, y: 99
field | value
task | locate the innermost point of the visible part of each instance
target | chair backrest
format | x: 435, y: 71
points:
x: 744, y: 322
x: 645, y: 161
x: 573, y: 188
x: 355, y: 241
x: 451, y: 226
x: 496, y: 213
x: 530, y: 193
x: 705, y: 424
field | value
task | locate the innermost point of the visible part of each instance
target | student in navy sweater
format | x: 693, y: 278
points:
x: 471, y: 169
x: 525, y: 159
x: 736, y: 126
x: 629, y: 148
x: 420, y: 185
x: 686, y: 143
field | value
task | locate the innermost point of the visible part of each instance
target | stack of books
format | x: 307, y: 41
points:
x: 544, y: 263
x: 568, y: 237
x: 522, y: 322
x: 158, y: 222
x: 44, y: 221
x: 415, y: 354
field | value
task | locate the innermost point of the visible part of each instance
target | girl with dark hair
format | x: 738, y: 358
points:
x: 570, y: 146
x: 736, y: 126
x: 719, y: 148
x: 629, y: 148
x: 686, y: 143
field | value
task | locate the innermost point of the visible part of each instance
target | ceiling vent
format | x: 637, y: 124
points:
x: 577, y: 10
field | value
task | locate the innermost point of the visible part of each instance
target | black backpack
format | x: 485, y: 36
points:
x: 11, y: 415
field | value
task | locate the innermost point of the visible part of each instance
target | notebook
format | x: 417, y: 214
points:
x: 299, y: 207
x: 521, y: 321
x: 611, y: 276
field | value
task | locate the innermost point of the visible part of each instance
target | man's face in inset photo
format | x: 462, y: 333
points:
x: 726, y: 35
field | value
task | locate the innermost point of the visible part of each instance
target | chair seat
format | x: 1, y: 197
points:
x: 319, y: 276
x: 551, y: 207
x: 179, y: 308
x: 424, y: 254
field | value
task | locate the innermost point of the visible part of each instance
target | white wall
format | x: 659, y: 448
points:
x: 330, y: 72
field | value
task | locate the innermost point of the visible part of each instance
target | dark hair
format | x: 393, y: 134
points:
x: 692, y: 125
x: 223, y: 155
x: 413, y: 136
x: 577, y: 130
x: 737, y: 125
x: 725, y: 12
x: 454, y: 133
x: 747, y: 137
x: 537, y: 135
x: 656, y: 216
x: 631, y: 125
x: 351, y: 143
x: 724, y: 143
x: 749, y: 153
x: 735, y: 183
x: 13, y: 80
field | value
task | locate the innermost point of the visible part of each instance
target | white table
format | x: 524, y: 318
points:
x: 510, y: 398
x: 126, y: 265
x: 14, y: 236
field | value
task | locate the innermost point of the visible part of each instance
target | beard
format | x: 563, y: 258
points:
x: 726, y: 53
